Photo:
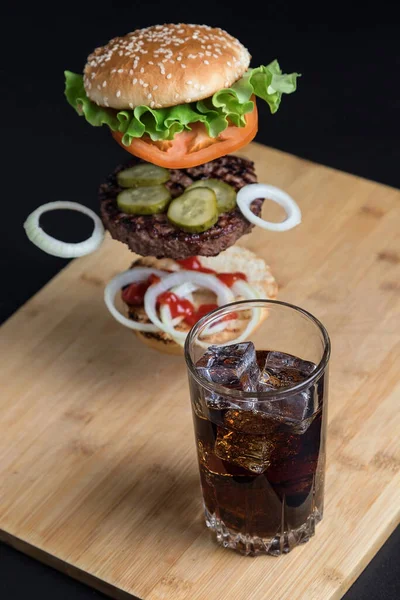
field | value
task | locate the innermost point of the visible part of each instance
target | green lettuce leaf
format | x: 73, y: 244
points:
x: 225, y: 107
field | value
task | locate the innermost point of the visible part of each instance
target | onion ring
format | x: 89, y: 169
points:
x: 250, y: 192
x: 55, y: 247
x: 118, y: 282
x: 204, y: 280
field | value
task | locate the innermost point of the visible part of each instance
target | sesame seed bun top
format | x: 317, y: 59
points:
x: 164, y: 65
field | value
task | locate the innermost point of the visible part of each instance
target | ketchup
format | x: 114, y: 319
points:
x: 133, y: 293
x: 203, y: 310
x: 193, y: 264
x: 230, y: 278
x: 181, y: 307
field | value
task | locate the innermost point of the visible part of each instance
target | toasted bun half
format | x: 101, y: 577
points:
x: 232, y: 260
x: 164, y: 65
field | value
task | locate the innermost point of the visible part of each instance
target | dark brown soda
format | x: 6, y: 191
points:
x: 287, y: 491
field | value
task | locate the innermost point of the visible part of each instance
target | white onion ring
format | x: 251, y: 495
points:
x: 246, y: 291
x: 55, y: 247
x: 204, y: 280
x: 166, y: 318
x: 118, y: 282
x: 242, y: 288
x: 250, y: 192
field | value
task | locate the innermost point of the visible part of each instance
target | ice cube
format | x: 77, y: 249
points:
x: 250, y: 422
x: 234, y: 366
x: 282, y: 362
x: 219, y: 402
x: 247, y: 440
x: 252, y: 452
x: 283, y: 371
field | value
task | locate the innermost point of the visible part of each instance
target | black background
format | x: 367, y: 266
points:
x: 345, y: 114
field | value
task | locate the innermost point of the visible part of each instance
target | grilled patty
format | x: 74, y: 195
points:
x: 154, y: 235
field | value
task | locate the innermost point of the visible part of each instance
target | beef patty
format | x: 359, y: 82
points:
x: 154, y: 235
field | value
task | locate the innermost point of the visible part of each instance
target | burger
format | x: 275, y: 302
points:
x: 176, y: 95
x: 180, y: 98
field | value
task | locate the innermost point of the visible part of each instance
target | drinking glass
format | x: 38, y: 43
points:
x: 258, y: 376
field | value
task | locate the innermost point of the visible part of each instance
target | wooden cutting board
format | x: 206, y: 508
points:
x: 98, y: 472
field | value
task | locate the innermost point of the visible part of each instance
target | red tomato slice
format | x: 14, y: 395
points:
x: 192, y: 148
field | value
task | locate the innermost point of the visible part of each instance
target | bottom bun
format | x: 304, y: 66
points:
x: 235, y: 259
x: 156, y: 342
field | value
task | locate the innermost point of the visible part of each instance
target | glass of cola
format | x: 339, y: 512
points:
x: 258, y: 376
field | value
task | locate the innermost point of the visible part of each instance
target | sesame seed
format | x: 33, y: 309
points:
x: 118, y: 93
x: 188, y: 100
x: 206, y: 62
x: 142, y: 70
x: 152, y: 103
x: 113, y: 70
x: 189, y: 82
x: 145, y: 85
x: 131, y: 71
x: 150, y: 62
x: 229, y: 63
x: 202, y: 87
x: 179, y: 58
x: 141, y: 81
x: 104, y: 83
x: 130, y: 104
x: 149, y: 96
x: 183, y: 66
x: 106, y: 102
x: 169, y: 76
x: 155, y: 87
x: 99, y: 87
x: 134, y: 81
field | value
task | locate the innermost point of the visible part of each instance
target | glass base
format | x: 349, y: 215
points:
x: 248, y: 545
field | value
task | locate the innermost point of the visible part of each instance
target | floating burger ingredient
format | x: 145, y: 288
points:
x: 166, y: 297
x: 179, y: 98
x: 157, y: 235
x: 176, y: 95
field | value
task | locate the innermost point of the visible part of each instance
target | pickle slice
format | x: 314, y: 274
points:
x: 225, y: 193
x: 195, y: 211
x: 143, y: 174
x: 144, y: 200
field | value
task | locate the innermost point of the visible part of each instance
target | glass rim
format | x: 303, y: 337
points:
x: 263, y: 396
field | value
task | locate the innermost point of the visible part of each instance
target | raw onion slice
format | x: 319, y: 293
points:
x: 203, y: 280
x: 117, y: 283
x: 55, y: 247
x: 250, y: 192
x: 244, y: 290
x: 166, y: 318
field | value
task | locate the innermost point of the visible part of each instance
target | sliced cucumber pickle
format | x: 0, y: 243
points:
x: 195, y: 211
x: 144, y: 200
x: 225, y: 193
x: 143, y: 174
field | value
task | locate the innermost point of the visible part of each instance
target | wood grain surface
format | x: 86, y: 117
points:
x: 98, y: 472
